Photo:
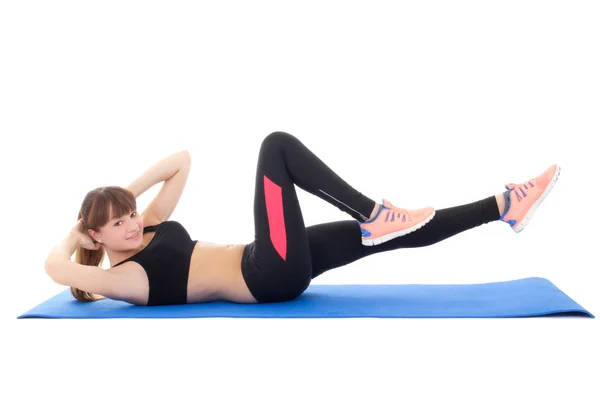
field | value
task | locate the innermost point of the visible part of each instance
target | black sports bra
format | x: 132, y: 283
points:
x: 166, y: 260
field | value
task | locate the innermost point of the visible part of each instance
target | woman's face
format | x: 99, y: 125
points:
x: 122, y: 233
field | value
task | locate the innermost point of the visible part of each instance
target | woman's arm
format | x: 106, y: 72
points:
x: 160, y: 172
x: 88, y: 278
x: 65, y: 249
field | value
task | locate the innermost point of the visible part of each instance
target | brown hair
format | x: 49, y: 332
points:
x: 95, y: 211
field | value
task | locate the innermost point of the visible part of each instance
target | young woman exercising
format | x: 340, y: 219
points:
x: 154, y: 261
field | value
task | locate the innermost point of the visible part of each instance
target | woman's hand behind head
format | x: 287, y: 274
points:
x: 83, y: 238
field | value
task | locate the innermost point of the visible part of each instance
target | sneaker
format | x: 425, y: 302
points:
x: 526, y: 197
x: 391, y: 222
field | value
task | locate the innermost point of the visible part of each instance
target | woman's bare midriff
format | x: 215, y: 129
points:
x: 215, y: 274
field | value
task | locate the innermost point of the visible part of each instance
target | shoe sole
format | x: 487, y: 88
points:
x: 529, y: 215
x: 393, y: 235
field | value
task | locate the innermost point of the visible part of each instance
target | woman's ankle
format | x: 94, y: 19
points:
x: 503, y: 200
x: 501, y: 203
x: 375, y: 211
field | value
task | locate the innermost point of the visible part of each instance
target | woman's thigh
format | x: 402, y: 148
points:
x: 277, y: 264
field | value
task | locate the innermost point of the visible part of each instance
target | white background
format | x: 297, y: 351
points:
x: 423, y: 103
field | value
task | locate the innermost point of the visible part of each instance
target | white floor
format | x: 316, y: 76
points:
x: 271, y: 359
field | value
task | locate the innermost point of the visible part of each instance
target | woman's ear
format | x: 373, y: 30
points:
x: 93, y: 234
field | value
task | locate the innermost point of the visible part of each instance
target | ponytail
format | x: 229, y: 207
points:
x: 87, y: 257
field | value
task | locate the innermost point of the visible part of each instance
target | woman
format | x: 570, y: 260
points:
x: 154, y: 261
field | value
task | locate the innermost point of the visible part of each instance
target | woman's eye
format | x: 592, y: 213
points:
x: 117, y: 223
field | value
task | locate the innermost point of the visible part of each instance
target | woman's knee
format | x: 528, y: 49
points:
x: 277, y: 138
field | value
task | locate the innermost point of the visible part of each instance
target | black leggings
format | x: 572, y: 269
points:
x: 285, y: 255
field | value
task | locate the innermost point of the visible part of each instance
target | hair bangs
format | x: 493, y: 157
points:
x: 112, y: 202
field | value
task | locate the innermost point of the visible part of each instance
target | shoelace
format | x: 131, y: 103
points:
x: 394, y: 212
x: 521, y: 187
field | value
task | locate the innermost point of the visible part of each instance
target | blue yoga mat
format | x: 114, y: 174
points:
x: 527, y: 297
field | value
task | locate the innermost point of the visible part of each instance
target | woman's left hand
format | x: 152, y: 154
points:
x: 83, y: 238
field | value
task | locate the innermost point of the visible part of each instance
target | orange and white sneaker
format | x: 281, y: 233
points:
x: 391, y: 222
x: 526, y: 197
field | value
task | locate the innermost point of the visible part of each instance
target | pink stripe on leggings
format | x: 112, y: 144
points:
x: 274, y: 203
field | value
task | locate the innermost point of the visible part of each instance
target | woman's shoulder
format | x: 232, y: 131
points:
x: 134, y: 287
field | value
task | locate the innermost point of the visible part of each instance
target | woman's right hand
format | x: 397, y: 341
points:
x: 83, y: 239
